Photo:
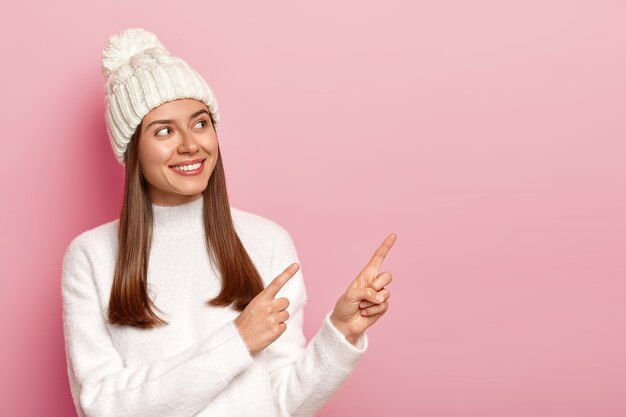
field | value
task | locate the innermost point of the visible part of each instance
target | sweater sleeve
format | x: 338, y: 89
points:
x: 304, y: 377
x: 101, y: 383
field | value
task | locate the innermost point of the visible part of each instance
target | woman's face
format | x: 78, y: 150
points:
x: 177, y: 133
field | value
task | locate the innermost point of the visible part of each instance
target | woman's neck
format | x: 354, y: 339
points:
x: 179, y: 219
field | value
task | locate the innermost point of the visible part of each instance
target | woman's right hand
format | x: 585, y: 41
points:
x: 263, y: 319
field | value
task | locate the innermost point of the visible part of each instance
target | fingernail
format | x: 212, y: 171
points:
x: 380, y: 298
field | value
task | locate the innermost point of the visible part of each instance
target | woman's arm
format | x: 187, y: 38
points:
x: 102, y: 386
x: 304, y: 377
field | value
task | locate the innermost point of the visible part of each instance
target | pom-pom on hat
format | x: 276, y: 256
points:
x: 141, y: 75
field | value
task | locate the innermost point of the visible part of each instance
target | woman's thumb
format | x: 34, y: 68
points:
x: 356, y: 295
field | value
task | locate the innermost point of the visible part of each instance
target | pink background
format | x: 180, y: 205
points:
x: 489, y: 135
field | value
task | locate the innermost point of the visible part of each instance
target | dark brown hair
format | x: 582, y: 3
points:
x: 130, y: 303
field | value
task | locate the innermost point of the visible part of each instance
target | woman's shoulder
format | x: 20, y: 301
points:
x: 269, y: 244
x: 98, y: 238
x: 246, y: 221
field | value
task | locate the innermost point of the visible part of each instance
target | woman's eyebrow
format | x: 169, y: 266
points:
x: 166, y: 121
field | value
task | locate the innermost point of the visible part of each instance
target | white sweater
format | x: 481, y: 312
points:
x: 198, y: 364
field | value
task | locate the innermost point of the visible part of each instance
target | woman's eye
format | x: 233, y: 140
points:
x: 161, y: 130
x: 204, y: 124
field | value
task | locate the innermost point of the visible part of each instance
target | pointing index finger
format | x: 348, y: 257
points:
x: 378, y: 257
x: 272, y: 289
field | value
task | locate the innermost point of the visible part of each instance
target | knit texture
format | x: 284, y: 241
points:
x: 197, y: 365
x: 141, y: 75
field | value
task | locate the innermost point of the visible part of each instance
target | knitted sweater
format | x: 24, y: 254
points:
x: 198, y: 364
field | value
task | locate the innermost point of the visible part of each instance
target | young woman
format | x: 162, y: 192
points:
x: 185, y: 306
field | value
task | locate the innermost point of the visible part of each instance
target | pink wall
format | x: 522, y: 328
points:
x: 489, y: 135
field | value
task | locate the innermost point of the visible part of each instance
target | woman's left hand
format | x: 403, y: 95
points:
x: 366, y: 299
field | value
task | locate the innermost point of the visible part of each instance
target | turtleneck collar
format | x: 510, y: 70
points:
x: 180, y: 219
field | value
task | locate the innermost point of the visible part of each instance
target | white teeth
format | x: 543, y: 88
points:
x: 188, y: 167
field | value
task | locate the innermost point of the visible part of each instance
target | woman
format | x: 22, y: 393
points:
x: 184, y: 305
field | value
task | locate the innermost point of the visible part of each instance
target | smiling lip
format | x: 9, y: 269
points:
x: 192, y: 172
x: 193, y: 161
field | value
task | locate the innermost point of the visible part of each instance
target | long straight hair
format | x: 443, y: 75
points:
x: 130, y: 303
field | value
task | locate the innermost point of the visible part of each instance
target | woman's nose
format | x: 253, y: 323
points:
x: 188, y: 143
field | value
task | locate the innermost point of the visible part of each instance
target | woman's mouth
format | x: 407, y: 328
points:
x: 189, y: 169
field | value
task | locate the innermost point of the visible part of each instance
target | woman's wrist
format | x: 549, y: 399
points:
x: 352, y: 338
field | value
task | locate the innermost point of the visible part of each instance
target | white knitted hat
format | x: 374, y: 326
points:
x: 141, y: 75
